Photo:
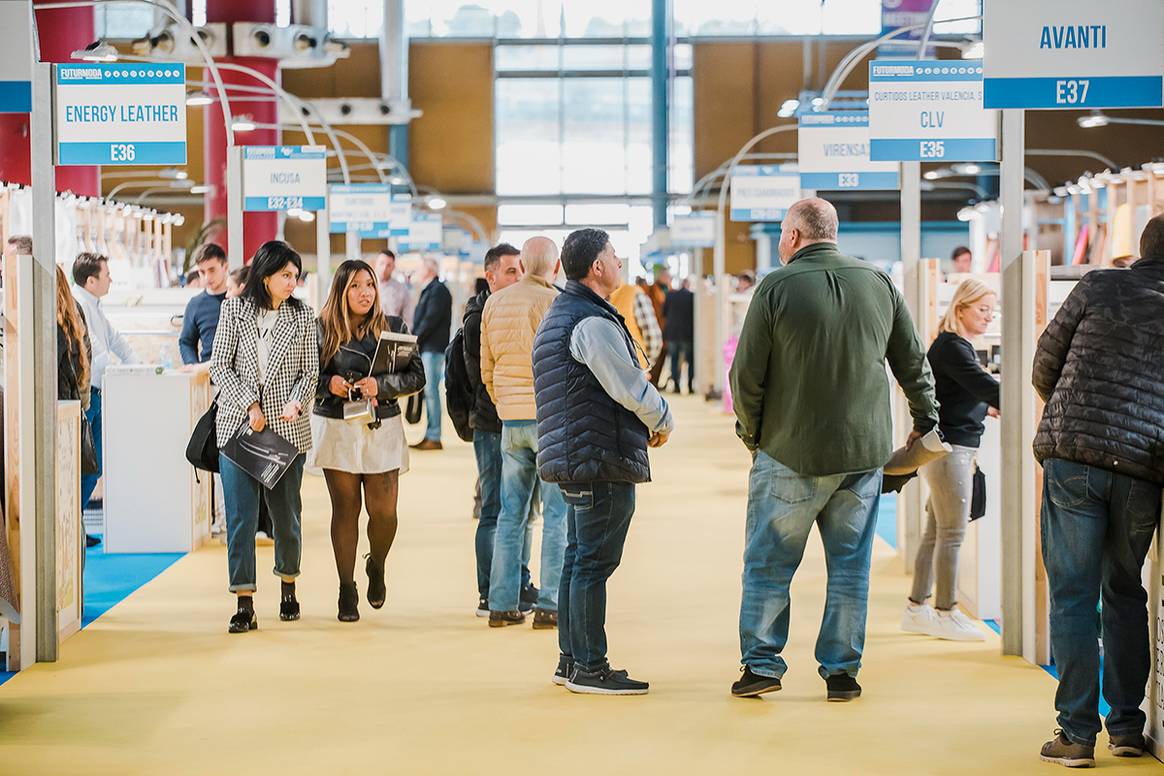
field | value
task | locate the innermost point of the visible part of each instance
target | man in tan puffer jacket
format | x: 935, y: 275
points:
x: 508, y: 325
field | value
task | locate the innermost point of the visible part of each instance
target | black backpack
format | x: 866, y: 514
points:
x: 459, y: 398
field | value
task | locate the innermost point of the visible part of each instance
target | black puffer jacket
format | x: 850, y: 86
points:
x: 352, y: 362
x: 1100, y: 368
x: 484, y: 414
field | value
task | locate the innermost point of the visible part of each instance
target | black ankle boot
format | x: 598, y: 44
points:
x: 288, y: 606
x: 244, y: 619
x: 377, y: 591
x: 349, y: 600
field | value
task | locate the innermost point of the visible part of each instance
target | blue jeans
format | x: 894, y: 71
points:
x: 598, y: 517
x: 1097, y: 527
x: 681, y: 351
x: 434, y: 372
x: 242, y: 493
x: 519, y: 450
x: 782, y: 507
x: 89, y: 481
x: 487, y: 448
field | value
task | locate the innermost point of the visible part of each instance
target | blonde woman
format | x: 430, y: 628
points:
x: 362, y: 458
x: 967, y: 393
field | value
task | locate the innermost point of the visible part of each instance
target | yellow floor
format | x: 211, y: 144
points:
x: 156, y: 686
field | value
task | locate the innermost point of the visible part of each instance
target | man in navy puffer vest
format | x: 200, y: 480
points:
x: 597, y: 414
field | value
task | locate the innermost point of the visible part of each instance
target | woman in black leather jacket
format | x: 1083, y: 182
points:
x: 359, y: 436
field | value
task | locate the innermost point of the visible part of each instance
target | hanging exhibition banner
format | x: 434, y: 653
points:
x: 904, y: 13
x: 424, y: 233
x: 834, y: 154
x: 15, y: 56
x: 763, y: 192
x: 365, y: 208
x: 1072, y: 54
x: 694, y: 230
x: 284, y: 178
x: 929, y: 111
x: 120, y: 114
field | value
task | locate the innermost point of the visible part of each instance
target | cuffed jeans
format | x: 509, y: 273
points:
x: 487, y: 448
x: 782, y: 507
x: 519, y: 452
x: 1097, y: 527
x: 89, y: 481
x: 243, y: 493
x: 598, y: 516
x: 951, y: 483
x: 434, y: 372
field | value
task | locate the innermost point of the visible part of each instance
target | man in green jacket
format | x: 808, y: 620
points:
x: 812, y: 403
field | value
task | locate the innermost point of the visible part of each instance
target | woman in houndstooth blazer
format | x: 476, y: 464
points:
x: 266, y: 363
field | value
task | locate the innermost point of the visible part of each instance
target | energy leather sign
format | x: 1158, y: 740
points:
x: 834, y: 154
x: 284, y: 178
x: 120, y: 114
x: 1073, y: 54
x: 929, y: 111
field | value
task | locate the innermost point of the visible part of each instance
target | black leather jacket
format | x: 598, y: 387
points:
x: 354, y: 359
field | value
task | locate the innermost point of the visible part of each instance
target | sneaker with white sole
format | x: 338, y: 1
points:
x: 918, y: 618
x: 955, y: 626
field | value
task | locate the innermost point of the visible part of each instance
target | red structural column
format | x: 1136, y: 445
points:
x: 258, y: 228
x: 61, y: 32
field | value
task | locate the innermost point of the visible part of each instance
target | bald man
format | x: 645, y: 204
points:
x: 508, y: 325
x: 811, y: 398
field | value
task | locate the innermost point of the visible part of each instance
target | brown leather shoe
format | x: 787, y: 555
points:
x: 427, y: 444
x: 1061, y: 750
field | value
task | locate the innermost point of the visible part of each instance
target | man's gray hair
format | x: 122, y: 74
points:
x: 815, y: 218
x: 22, y: 243
x: 433, y: 264
x: 539, y: 256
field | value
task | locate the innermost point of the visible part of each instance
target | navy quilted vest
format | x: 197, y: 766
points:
x: 583, y: 434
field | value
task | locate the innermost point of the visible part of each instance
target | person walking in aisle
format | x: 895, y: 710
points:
x: 658, y: 292
x: 201, y: 318
x: 431, y: 323
x: 634, y: 305
x: 1097, y: 367
x: 679, y: 311
x: 265, y: 363
x: 811, y: 400
x: 93, y: 281
x: 966, y: 393
x: 367, y: 454
x: 394, y: 295
x: 508, y: 326
x: 502, y: 269
x: 597, y: 415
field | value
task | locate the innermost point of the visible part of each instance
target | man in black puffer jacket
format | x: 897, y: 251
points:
x: 1100, y: 369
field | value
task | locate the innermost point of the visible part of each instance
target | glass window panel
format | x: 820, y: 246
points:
x: 607, y: 19
x: 457, y: 19
x: 528, y: 18
x: 606, y: 57
x: 724, y: 17
x: 355, y: 18
x: 684, y: 56
x: 793, y: 17
x: 417, y: 18
x: 640, y: 158
x: 528, y: 131
x: 124, y: 20
x: 598, y: 213
x: 681, y: 155
x: 851, y: 17
x: 956, y: 9
x: 530, y: 57
x: 519, y: 215
x: 594, y: 152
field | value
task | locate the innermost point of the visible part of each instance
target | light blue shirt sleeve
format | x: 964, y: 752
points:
x: 601, y: 345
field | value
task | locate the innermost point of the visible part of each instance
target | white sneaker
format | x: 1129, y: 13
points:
x: 955, y: 626
x: 917, y: 618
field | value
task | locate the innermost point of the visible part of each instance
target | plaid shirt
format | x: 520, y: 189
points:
x: 649, y: 326
x: 292, y: 369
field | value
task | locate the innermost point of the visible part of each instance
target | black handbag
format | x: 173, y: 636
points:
x: 89, y: 464
x: 202, y: 450
x: 978, y: 495
x: 413, y: 409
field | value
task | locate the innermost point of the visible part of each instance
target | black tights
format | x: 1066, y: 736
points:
x: 380, y: 492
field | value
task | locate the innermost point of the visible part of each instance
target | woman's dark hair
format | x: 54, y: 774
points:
x: 241, y: 275
x: 269, y: 259
x: 336, y: 316
x: 580, y: 251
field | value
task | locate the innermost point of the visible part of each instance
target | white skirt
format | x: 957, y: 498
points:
x: 350, y: 446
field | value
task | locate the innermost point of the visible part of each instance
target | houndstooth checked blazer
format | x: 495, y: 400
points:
x: 292, y: 369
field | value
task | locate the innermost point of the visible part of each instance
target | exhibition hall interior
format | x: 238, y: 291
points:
x: 511, y: 386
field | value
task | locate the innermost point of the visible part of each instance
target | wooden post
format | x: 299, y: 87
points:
x: 1042, y: 611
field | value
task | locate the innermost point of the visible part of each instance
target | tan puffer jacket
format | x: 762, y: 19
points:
x: 508, y: 326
